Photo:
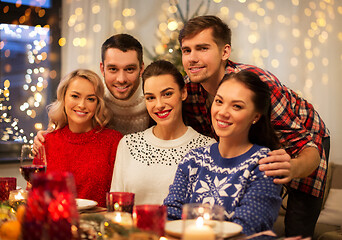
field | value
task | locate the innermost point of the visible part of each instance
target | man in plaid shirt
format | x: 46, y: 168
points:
x: 206, y: 44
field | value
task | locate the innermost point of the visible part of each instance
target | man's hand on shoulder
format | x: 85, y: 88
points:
x: 280, y: 164
x: 38, y: 140
x: 277, y: 164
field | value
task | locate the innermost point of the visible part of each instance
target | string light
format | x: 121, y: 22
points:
x: 171, y: 20
x: 33, y: 89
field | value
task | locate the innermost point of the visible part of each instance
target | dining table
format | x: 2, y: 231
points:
x: 240, y: 236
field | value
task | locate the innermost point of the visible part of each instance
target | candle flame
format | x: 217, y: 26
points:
x: 206, y: 216
x: 116, y: 206
x: 18, y: 196
x: 118, y: 218
x: 199, y: 222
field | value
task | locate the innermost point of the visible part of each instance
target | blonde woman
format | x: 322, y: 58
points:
x: 81, y: 143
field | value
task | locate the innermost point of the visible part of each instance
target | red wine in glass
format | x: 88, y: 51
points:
x: 30, y: 162
x: 27, y: 170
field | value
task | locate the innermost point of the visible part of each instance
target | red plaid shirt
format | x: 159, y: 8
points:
x: 296, y: 121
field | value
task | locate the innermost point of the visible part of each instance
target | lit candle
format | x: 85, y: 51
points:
x: 122, y: 218
x: 199, y: 231
x: 17, y: 197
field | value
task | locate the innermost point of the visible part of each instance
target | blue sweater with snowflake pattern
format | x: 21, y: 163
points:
x: 249, y: 197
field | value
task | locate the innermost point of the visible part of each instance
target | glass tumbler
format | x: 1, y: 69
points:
x: 150, y: 218
x: 51, y: 211
x: 120, y: 202
x: 202, y: 221
x: 7, y: 184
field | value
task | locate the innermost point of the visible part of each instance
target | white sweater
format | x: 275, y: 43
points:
x: 146, y: 165
x: 128, y: 116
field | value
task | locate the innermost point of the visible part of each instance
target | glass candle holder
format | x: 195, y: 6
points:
x: 17, y: 197
x: 150, y: 218
x: 120, y: 201
x: 121, y: 218
x: 115, y: 221
x: 51, y: 211
x: 7, y: 184
x: 202, y: 222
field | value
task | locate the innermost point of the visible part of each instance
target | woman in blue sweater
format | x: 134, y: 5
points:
x: 227, y: 173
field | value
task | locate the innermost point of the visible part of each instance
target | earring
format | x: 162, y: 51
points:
x: 254, y: 122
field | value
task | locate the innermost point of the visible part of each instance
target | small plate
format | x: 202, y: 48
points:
x: 85, y: 203
x: 174, y: 228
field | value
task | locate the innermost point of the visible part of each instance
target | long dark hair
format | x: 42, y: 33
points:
x: 262, y: 132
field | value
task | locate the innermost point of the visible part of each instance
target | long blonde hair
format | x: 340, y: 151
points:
x: 56, y: 111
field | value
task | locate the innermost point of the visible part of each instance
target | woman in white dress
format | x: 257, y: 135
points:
x: 146, y: 162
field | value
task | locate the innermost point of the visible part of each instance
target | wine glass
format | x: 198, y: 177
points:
x: 31, y: 163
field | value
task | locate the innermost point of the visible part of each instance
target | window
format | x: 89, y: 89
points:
x: 30, y: 66
x: 35, y: 3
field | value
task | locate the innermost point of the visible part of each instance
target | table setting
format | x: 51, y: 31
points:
x: 150, y: 221
x: 50, y: 209
x: 62, y: 216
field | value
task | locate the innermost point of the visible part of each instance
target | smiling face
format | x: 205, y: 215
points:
x: 164, y: 100
x: 233, y: 111
x: 203, y: 60
x: 121, y: 71
x: 80, y: 104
